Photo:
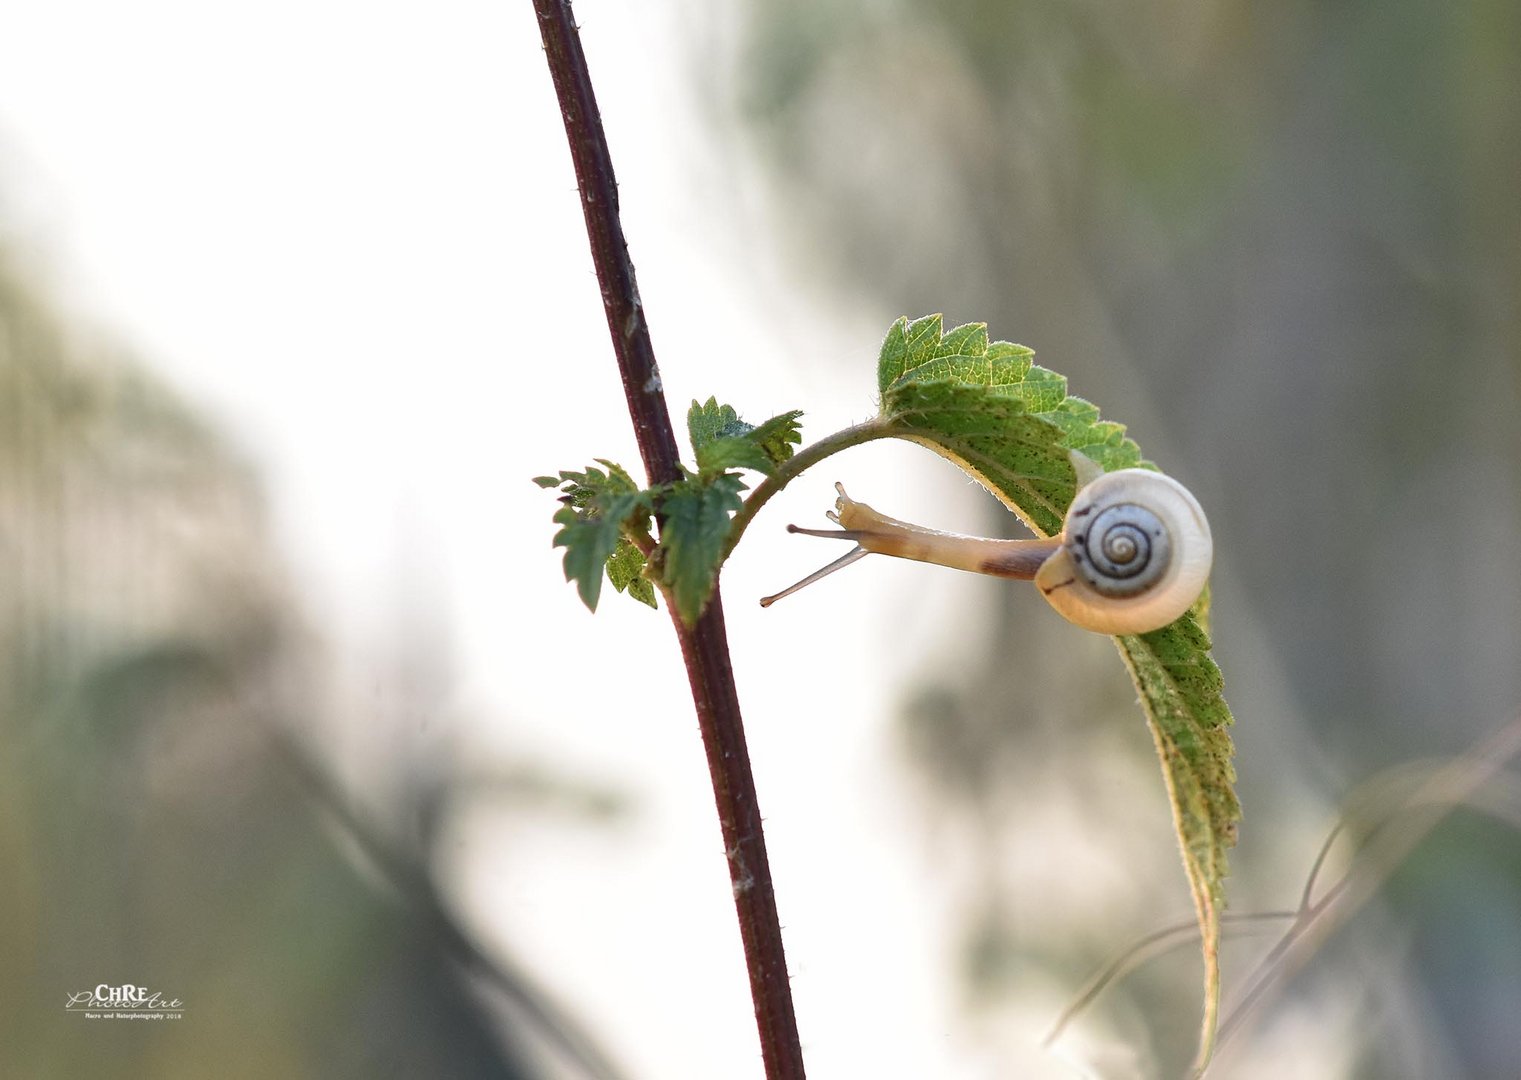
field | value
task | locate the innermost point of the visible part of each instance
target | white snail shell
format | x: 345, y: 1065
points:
x: 1135, y: 554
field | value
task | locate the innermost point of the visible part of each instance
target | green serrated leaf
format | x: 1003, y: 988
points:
x: 1011, y: 424
x: 999, y: 416
x: 625, y: 569
x: 582, y: 488
x: 970, y: 339
x: 894, y: 355
x: 1042, y: 390
x: 732, y: 452
x: 618, y: 479
x: 588, y: 541
x: 711, y: 421
x: 923, y: 339
x: 1014, y: 453
x: 597, y: 506
x: 1014, y: 360
x: 779, y: 435
x: 695, y: 525
x: 643, y: 590
x: 965, y: 356
x: 723, y: 441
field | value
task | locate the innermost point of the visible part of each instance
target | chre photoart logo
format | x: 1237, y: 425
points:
x: 125, y: 1002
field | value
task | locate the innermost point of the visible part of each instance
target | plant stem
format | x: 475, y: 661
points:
x: 704, y: 647
x: 604, y: 230
x: 794, y: 467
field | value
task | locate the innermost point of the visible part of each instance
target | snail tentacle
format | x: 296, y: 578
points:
x: 839, y: 564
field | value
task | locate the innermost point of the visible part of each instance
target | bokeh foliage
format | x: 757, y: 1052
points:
x: 153, y: 671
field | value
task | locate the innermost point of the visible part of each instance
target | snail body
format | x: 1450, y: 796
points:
x: 1134, y: 552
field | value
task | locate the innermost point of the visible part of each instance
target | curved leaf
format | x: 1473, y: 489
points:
x: 1011, y: 424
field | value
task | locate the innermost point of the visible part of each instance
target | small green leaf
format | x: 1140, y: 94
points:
x: 590, y: 537
x: 643, y: 590
x: 732, y: 452
x: 722, y: 441
x: 618, y: 477
x: 588, y: 541
x: 625, y: 569
x: 779, y: 435
x: 695, y: 525
x: 598, y: 504
x: 582, y: 488
x: 711, y: 421
x: 604, y: 508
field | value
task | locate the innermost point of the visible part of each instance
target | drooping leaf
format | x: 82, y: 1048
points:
x: 591, y: 535
x: 779, y: 435
x: 1180, y: 688
x: 597, y: 505
x: 1011, y: 424
x: 695, y: 525
x: 713, y: 421
x: 722, y: 441
x: 625, y: 569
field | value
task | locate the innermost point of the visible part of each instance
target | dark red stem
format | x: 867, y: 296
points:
x: 604, y: 229
x: 705, y: 647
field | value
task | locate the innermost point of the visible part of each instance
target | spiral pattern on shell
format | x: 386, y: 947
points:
x: 1122, y: 550
x: 1136, y: 553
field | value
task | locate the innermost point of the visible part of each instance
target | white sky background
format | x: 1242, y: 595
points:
x: 349, y: 233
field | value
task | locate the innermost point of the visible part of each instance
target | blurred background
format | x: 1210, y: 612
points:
x: 300, y: 724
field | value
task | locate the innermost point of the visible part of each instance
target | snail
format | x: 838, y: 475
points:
x: 1133, y: 554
